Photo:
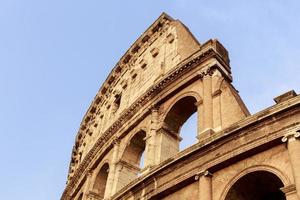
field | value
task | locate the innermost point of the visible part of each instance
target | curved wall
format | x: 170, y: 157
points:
x: 128, y: 143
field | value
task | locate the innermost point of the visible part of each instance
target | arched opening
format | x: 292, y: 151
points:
x: 188, y: 132
x: 180, y: 113
x: 134, y: 150
x: 259, y: 185
x: 181, y: 124
x: 100, y: 181
x: 142, y: 161
x: 132, y: 161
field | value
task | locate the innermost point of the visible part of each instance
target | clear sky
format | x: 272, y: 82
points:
x: 55, y: 54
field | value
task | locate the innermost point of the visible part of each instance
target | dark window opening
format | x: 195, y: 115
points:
x: 182, y: 121
x: 117, y: 102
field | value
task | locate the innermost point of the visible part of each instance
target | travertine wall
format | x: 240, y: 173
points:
x: 128, y: 143
x: 150, y: 58
x: 187, y: 193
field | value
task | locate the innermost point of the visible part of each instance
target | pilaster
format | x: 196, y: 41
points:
x: 151, y: 139
x: 207, y: 105
x: 112, y: 179
x: 167, y: 143
x: 293, y: 145
x: 205, y: 185
x: 200, y: 113
x: 125, y: 173
x: 88, y: 186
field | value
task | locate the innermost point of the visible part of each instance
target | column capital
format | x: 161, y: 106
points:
x: 208, y: 72
x: 204, y: 173
x: 291, y: 136
x: 293, y: 147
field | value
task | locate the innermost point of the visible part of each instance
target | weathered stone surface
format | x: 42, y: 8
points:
x: 127, y: 146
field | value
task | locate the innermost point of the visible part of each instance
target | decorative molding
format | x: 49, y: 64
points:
x: 292, y: 134
x: 204, y: 173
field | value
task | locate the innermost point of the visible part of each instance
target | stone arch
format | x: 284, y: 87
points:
x: 129, y: 164
x: 134, y: 148
x: 194, y: 94
x: 100, y: 180
x: 126, y: 141
x: 177, y: 113
x: 180, y: 110
x: 277, y: 174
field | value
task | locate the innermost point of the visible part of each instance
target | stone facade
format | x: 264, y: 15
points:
x: 127, y: 146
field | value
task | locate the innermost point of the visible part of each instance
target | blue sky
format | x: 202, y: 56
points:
x: 54, y: 55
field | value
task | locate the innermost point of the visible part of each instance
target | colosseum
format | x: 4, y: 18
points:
x: 127, y: 146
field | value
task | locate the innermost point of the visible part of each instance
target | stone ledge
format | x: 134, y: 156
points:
x: 285, y: 96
